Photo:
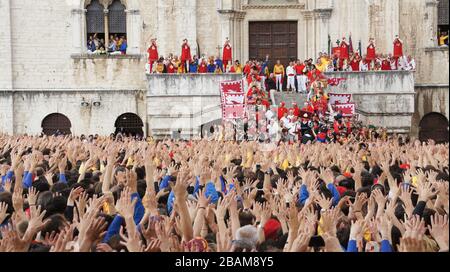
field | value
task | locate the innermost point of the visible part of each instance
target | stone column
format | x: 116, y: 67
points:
x: 309, y: 35
x: 226, y: 29
x: 6, y: 52
x: 238, y: 47
x: 133, y: 31
x: 105, y: 12
x: 323, y: 25
x: 186, y: 25
x: 77, y: 33
x: 431, y: 18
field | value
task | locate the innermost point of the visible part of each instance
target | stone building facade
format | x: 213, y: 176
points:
x: 45, y: 68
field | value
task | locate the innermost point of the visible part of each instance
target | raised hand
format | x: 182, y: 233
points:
x: 3, y: 211
x: 323, y: 202
x: 439, y: 230
x: 357, y: 229
x: 133, y: 242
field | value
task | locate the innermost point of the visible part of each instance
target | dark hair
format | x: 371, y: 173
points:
x: 56, y: 223
x: 246, y: 218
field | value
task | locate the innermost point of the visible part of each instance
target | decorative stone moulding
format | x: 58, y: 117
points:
x: 293, y: 6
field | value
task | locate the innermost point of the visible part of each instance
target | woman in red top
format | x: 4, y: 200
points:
x: 398, y: 47
x: 171, y: 68
x: 203, y: 68
x: 371, y: 51
x: 152, y: 53
x: 227, y: 53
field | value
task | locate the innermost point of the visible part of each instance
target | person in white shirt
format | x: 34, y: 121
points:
x: 363, y: 66
x: 402, y: 63
x: 411, y: 64
x: 290, y: 72
x: 393, y: 64
x: 285, y: 121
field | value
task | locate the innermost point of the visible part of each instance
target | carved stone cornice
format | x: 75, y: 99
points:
x: 78, y: 11
x: 308, y: 14
x: 239, y: 15
x: 292, y: 6
x: 132, y: 11
x: 232, y: 14
x: 431, y: 3
x: 323, y: 13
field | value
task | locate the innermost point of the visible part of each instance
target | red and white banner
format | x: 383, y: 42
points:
x: 335, y: 81
x: 339, y: 98
x: 347, y: 109
x: 233, y: 99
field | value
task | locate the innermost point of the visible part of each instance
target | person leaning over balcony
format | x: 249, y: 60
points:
x: 355, y: 59
x: 385, y: 64
x: 203, y: 67
x: 236, y: 68
x: 123, y: 45
x: 193, y: 66
x: 411, y: 66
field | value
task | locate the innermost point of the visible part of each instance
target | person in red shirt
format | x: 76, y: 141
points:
x: 186, y: 55
x: 398, y: 49
x: 247, y: 68
x: 302, y: 79
x: 295, y: 109
x: 282, y: 110
x: 203, y: 67
x: 344, y: 49
x: 227, y: 53
x: 354, y: 62
x: 386, y: 64
x: 171, y: 68
x: 152, y: 53
x: 371, y: 50
x: 348, y: 125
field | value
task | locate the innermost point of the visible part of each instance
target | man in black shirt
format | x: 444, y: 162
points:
x: 271, y: 87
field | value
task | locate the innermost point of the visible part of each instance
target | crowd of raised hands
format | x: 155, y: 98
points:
x: 63, y: 194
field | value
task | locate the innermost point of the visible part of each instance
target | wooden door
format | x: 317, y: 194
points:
x: 278, y: 39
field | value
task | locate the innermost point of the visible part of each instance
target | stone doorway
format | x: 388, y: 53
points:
x: 278, y: 39
x: 129, y: 124
x: 434, y: 126
x: 56, y: 124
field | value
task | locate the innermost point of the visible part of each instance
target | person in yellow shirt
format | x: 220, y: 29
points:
x: 278, y: 70
x: 324, y: 61
x: 236, y: 68
x: 443, y: 39
x: 159, y: 67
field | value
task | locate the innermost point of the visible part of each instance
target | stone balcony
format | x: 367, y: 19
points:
x: 188, y: 101
x: 382, y: 98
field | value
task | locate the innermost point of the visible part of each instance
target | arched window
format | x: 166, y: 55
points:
x: 443, y: 28
x: 117, y: 19
x: 95, y: 20
x: 109, y: 36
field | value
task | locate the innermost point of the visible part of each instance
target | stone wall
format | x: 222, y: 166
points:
x: 428, y: 99
x: 183, y: 101
x: 382, y: 98
x: 30, y: 107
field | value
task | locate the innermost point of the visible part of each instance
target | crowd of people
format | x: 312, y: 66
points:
x: 117, y: 45
x: 342, y: 58
x: 104, y: 194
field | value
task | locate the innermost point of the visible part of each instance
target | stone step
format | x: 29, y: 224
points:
x: 289, y: 98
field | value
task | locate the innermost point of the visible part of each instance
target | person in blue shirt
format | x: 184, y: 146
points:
x: 123, y: 46
x: 193, y: 66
